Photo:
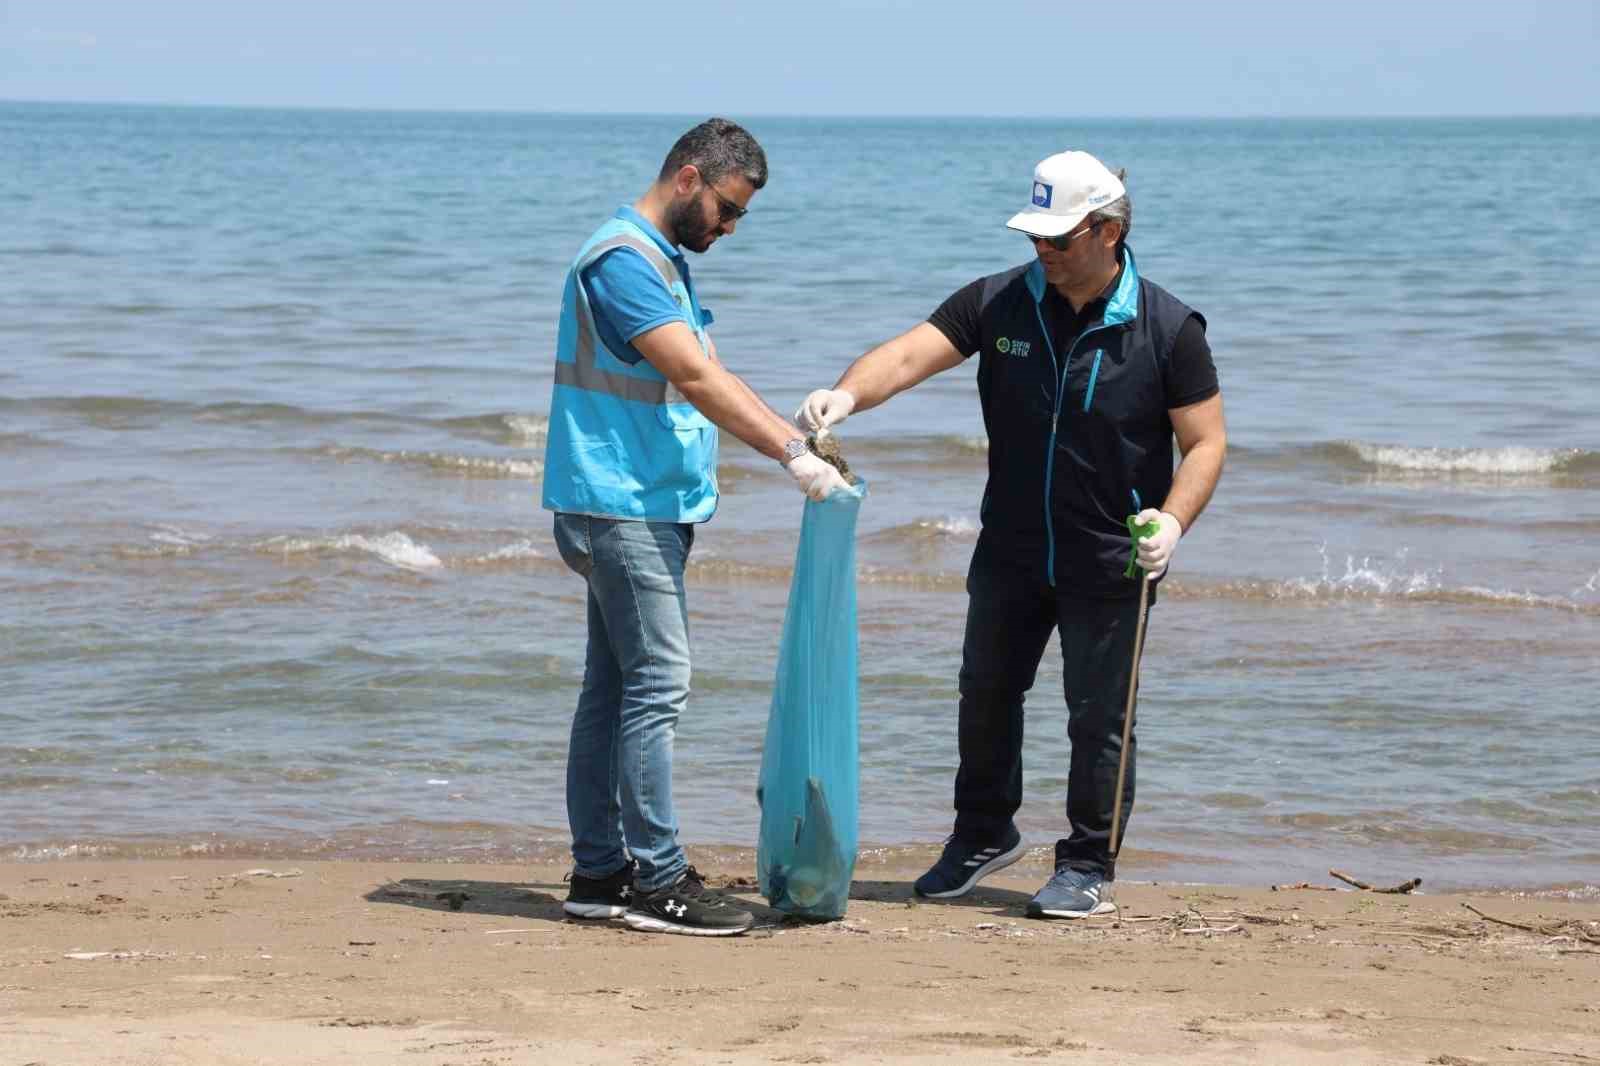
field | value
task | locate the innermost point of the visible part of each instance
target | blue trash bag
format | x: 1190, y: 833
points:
x: 809, y: 767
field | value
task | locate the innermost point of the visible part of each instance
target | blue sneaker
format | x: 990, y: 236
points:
x: 1072, y: 894
x: 966, y: 861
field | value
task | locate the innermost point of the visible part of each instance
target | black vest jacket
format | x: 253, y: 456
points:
x: 1079, y: 436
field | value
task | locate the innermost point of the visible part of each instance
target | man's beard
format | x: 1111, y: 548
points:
x: 688, y: 221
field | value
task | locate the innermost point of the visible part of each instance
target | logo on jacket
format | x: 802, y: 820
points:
x: 1007, y: 346
x: 1041, y: 194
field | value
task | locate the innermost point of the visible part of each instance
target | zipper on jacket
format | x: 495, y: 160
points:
x: 1094, y: 375
x: 1055, y: 418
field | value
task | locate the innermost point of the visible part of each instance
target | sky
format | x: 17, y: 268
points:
x: 1154, y: 58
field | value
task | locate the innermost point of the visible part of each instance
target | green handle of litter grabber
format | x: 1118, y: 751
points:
x: 1136, y: 529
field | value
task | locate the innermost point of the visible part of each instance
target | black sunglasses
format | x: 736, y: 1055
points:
x: 727, y: 210
x: 1060, y: 243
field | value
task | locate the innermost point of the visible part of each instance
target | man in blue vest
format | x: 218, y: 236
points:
x: 630, y: 469
x: 1086, y: 372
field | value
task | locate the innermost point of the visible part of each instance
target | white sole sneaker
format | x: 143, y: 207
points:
x: 979, y: 872
x: 650, y: 924
x: 594, y: 910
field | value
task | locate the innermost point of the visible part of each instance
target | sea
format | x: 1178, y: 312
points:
x: 275, y: 580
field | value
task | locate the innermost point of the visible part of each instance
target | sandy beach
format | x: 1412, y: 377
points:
x: 225, y: 962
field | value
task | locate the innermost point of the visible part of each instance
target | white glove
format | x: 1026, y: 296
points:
x: 1155, y: 551
x: 824, y: 408
x: 817, y: 477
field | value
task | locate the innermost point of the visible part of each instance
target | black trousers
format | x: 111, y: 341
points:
x: 1010, y: 613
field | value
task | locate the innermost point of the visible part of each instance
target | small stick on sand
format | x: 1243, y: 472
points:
x: 1572, y: 929
x: 1398, y: 890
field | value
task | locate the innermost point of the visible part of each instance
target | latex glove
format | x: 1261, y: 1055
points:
x: 1155, y: 551
x: 824, y: 408
x: 816, y: 477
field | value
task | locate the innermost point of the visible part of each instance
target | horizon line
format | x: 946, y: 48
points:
x: 924, y: 115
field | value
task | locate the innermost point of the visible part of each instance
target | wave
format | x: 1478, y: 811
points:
x: 527, y: 430
x: 1386, y: 460
x: 284, y: 308
x: 1362, y: 582
x: 414, y: 840
x: 511, y: 555
x: 948, y: 447
x: 507, y: 428
x: 1510, y: 461
x: 410, y: 550
x: 396, y: 549
x: 181, y: 540
x: 1376, y: 589
x: 518, y: 430
x: 57, y: 248
x: 135, y: 309
x: 19, y: 442
x: 440, y: 462
x: 926, y: 530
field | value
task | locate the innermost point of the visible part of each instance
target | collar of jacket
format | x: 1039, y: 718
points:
x: 1123, y: 307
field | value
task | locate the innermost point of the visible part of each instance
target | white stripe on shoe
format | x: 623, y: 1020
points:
x: 998, y: 862
x: 1101, y: 906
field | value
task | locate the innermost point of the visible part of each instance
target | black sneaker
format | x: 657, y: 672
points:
x: 602, y: 897
x: 966, y: 861
x: 687, y: 906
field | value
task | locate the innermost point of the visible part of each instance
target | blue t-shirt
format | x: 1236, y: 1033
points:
x: 628, y: 297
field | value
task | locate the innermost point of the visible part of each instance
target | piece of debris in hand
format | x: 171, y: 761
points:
x: 827, y: 448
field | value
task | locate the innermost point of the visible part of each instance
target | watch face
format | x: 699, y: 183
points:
x: 795, y: 448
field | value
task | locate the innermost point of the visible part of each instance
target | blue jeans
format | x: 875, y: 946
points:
x: 635, y: 685
x: 1011, y: 611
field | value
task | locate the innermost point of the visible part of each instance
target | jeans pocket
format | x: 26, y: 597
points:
x: 573, y: 542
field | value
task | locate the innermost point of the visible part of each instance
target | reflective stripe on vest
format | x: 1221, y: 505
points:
x: 582, y: 373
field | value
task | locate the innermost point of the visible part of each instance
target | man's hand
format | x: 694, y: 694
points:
x: 815, y: 476
x: 824, y: 408
x: 1155, y: 551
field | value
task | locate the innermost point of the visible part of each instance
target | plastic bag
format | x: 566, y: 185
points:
x: 808, y: 788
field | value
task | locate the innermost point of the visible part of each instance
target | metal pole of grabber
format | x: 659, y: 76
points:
x: 1127, y: 715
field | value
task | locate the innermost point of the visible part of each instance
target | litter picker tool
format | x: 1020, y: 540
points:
x: 1136, y: 529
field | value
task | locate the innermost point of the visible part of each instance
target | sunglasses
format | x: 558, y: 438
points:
x: 1060, y: 243
x: 727, y: 210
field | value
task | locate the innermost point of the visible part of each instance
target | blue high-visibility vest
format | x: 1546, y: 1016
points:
x: 622, y: 441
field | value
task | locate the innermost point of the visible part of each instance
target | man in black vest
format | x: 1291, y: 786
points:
x: 1086, y: 373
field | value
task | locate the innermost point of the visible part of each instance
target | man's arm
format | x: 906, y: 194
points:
x: 1203, y: 439
x: 711, y: 350
x: 896, y: 365
x: 715, y: 391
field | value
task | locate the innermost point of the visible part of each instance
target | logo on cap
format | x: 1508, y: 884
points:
x: 1041, y: 194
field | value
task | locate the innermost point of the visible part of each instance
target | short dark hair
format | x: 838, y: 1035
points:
x: 715, y: 148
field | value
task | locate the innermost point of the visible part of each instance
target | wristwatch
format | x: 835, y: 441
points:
x: 793, y: 450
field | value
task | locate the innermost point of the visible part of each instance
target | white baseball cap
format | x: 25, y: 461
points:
x: 1066, y: 188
